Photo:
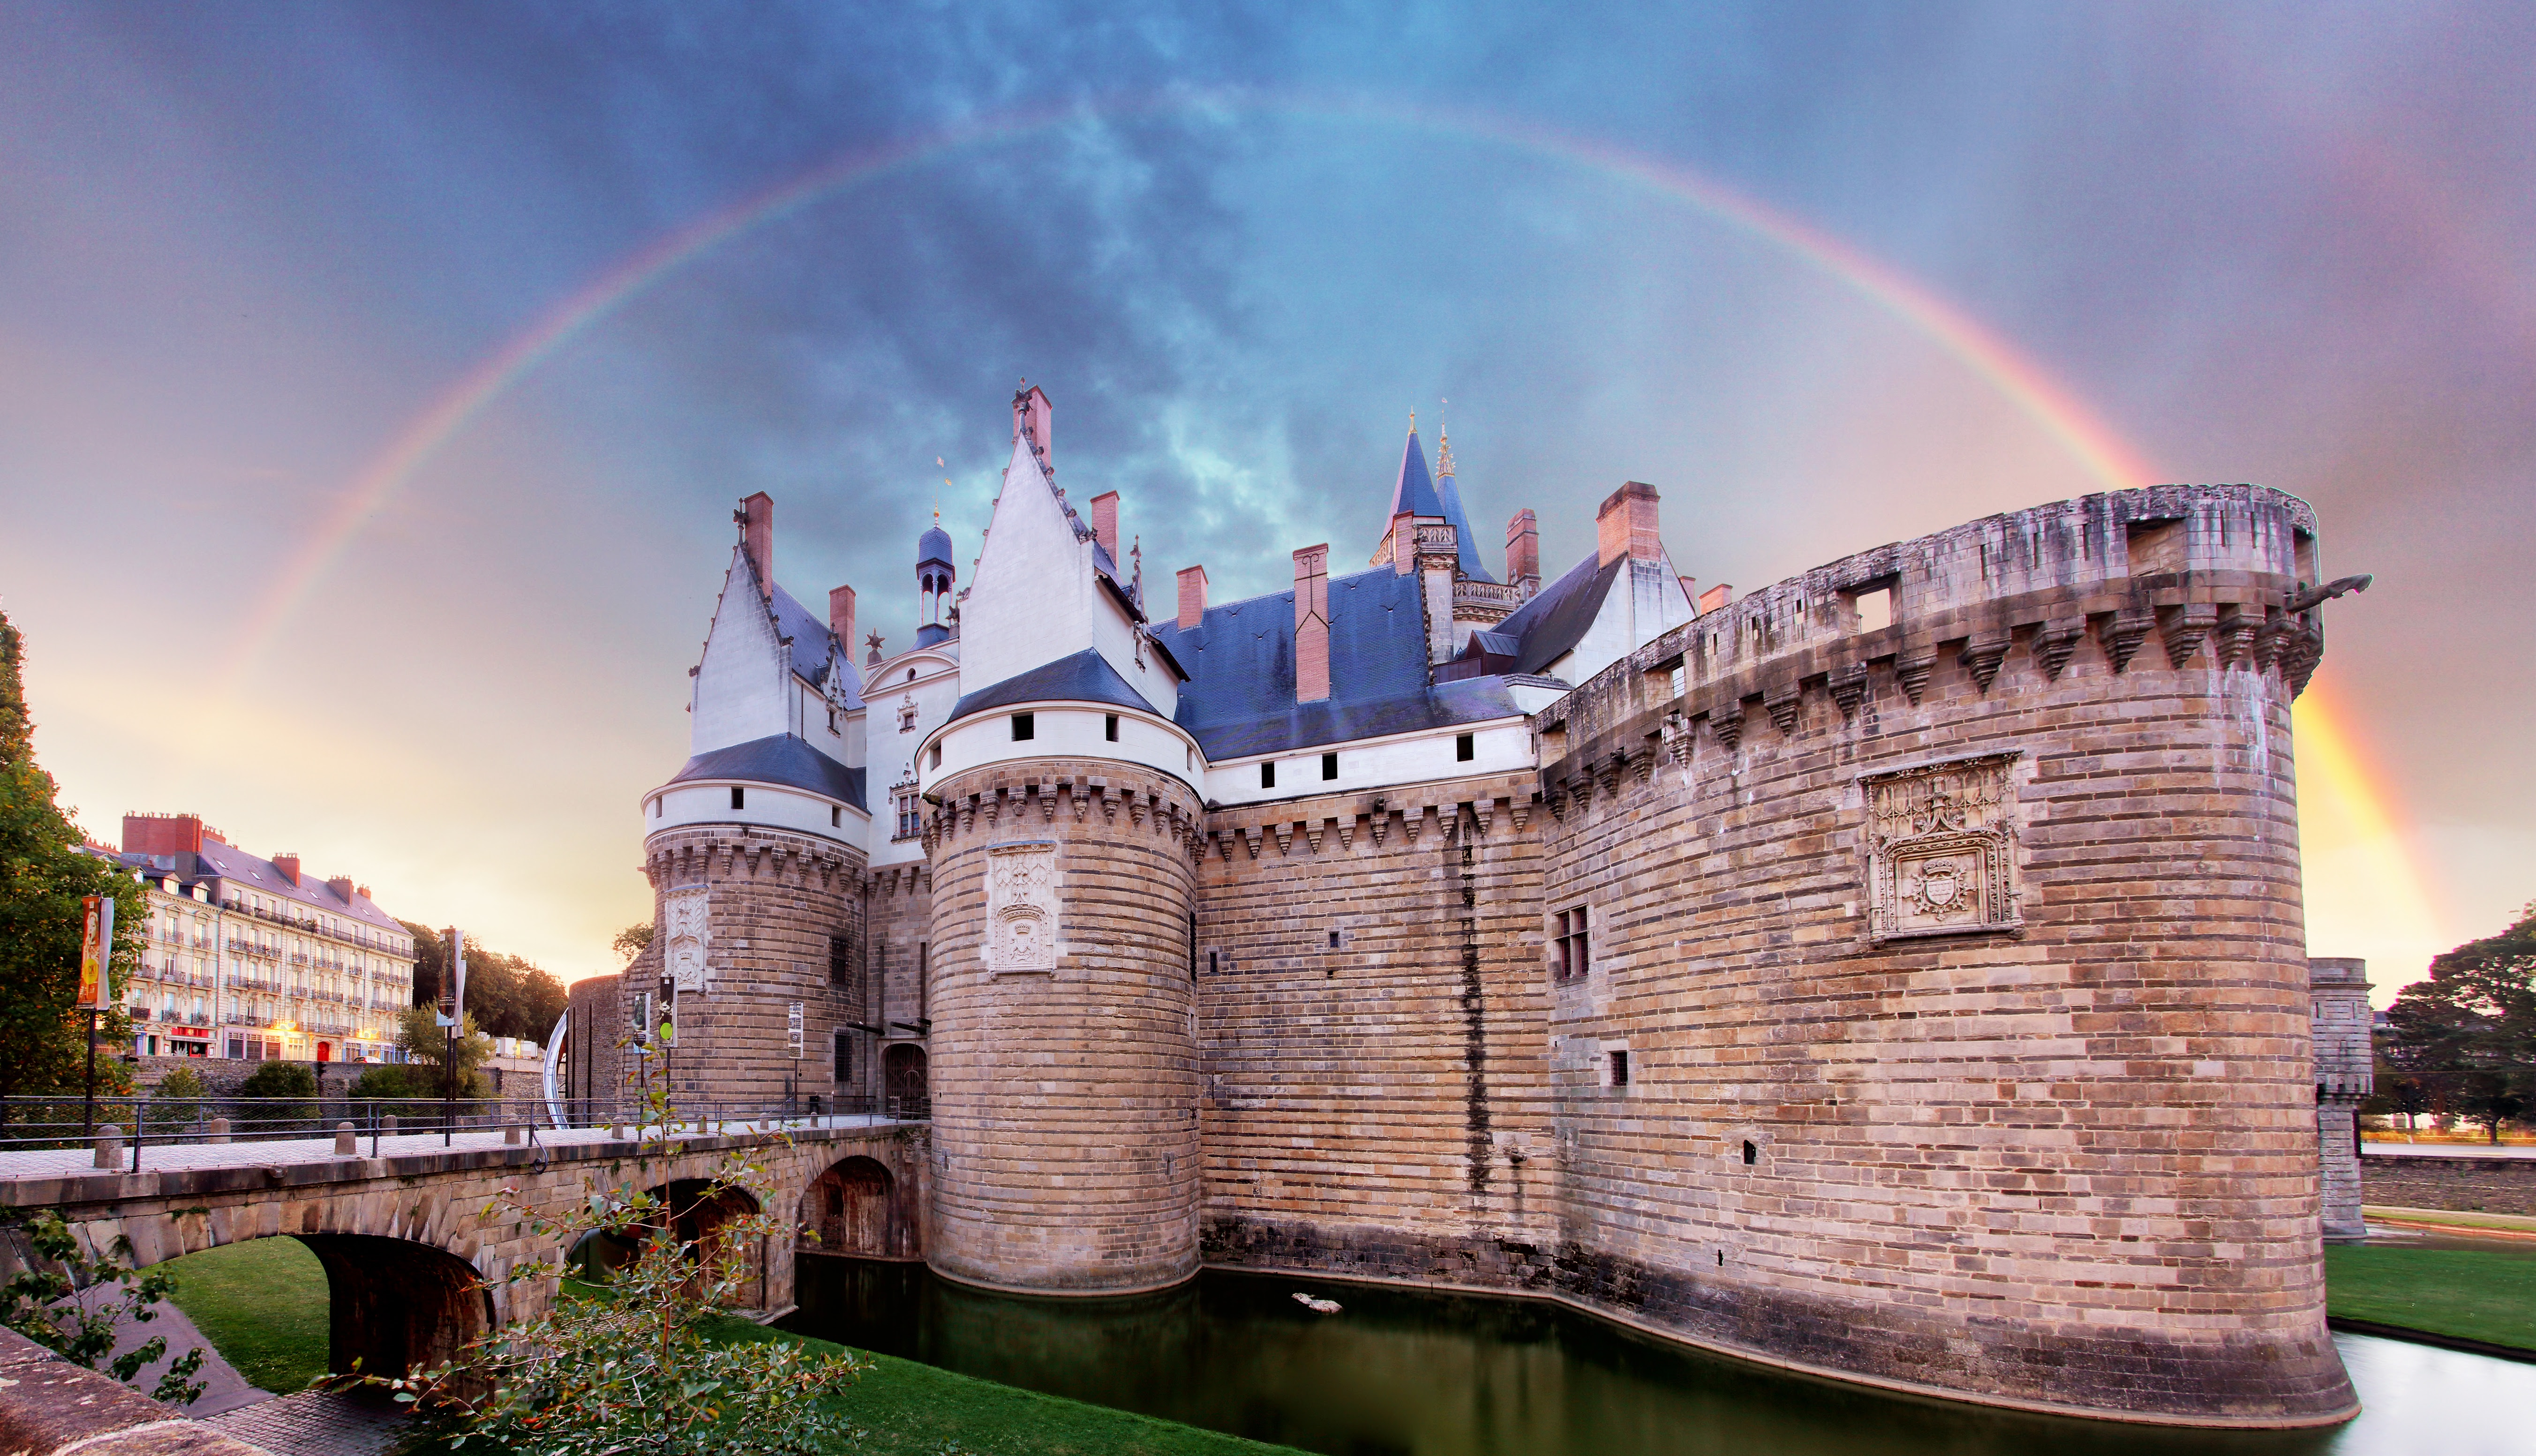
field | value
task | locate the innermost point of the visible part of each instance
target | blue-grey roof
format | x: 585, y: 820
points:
x: 1554, y: 621
x: 1449, y: 491
x: 815, y: 649
x: 1239, y: 699
x: 1085, y: 677
x: 1414, y: 493
x: 780, y: 758
x: 934, y: 549
x: 220, y: 861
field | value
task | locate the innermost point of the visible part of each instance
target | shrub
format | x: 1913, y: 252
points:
x: 388, y: 1081
x: 70, y: 1304
x: 280, y: 1079
x: 181, y: 1083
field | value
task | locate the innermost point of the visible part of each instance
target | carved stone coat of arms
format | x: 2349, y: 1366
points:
x: 1942, y: 848
x: 1021, y: 908
x: 684, y: 935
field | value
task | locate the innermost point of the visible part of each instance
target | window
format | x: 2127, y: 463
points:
x: 1334, y: 940
x: 1110, y: 728
x: 845, y: 1056
x: 1268, y: 775
x: 910, y: 674
x: 1619, y: 1068
x: 840, y: 960
x: 1464, y: 749
x: 1752, y: 1154
x: 907, y: 716
x: 934, y: 761
x: 1214, y: 963
x: 1569, y: 954
x: 1025, y: 727
x: 836, y: 817
x: 1329, y: 766
x: 740, y: 798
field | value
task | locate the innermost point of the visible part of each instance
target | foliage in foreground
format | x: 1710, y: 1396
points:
x: 72, y: 1305
x: 642, y: 1371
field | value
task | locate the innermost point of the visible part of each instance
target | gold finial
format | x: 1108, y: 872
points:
x: 1413, y: 421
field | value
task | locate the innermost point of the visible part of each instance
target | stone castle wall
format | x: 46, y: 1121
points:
x: 1064, y: 1060
x: 902, y: 931
x: 1377, y: 1105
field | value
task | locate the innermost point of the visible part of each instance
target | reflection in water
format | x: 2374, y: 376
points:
x: 1403, y: 1372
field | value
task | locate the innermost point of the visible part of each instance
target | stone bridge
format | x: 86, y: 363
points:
x: 415, y: 1241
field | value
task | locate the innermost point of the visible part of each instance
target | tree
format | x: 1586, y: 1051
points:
x: 635, y: 1369
x: 70, y: 1304
x: 427, y: 1042
x: 44, y: 878
x: 509, y: 995
x: 2469, y: 1030
x: 633, y: 940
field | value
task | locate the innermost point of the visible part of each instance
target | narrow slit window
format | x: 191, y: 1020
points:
x: 845, y: 1045
x: 1465, y: 747
x: 1752, y: 1154
x: 836, y: 817
x: 740, y: 798
x: 1110, y: 728
x: 1619, y: 1068
x: 1267, y: 776
x: 1329, y: 765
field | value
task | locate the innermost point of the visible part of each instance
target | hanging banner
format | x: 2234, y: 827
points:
x: 453, y: 987
x: 96, y: 951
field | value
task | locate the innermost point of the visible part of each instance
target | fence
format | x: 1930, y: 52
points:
x: 140, y: 1123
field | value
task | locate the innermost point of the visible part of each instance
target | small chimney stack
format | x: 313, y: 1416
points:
x: 757, y: 531
x: 1035, y: 416
x: 1105, y: 524
x: 341, y: 885
x: 1192, y: 596
x: 1625, y: 526
x: 1523, y: 552
x: 1714, y: 597
x: 289, y: 864
x: 1404, y: 543
x: 1312, y: 624
x: 841, y: 617
x: 165, y: 834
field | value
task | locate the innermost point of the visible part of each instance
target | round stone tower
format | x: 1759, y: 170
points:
x: 1064, y: 1049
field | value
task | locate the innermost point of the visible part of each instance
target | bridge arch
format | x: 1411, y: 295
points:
x: 859, y: 1209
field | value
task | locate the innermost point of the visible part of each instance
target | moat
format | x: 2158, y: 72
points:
x: 1402, y: 1372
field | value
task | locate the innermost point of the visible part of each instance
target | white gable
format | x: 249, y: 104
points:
x: 743, y: 684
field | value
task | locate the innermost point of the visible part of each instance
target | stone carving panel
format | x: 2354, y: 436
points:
x: 1020, y: 909
x: 685, y: 933
x: 1942, y: 848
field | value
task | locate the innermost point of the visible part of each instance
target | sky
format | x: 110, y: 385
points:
x: 376, y: 381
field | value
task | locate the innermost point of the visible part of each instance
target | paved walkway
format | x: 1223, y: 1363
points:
x: 315, y: 1422
x: 57, y: 1163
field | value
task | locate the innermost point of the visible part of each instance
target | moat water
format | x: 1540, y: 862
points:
x: 1403, y: 1372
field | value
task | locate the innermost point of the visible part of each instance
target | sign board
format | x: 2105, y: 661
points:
x: 453, y: 987
x: 642, y: 1027
x: 792, y: 1030
x: 96, y: 951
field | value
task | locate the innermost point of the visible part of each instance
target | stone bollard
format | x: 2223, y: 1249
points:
x: 109, y: 1146
x: 616, y: 1130
x: 347, y: 1142
x: 387, y: 1125
x: 511, y: 1135
x: 216, y: 1131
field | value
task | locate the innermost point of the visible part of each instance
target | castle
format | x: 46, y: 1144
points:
x: 1896, y: 974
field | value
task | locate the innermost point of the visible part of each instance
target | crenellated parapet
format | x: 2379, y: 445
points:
x: 2173, y: 576
x: 695, y: 855
x: 1434, y: 813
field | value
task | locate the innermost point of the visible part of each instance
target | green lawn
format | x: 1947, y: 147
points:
x: 2466, y: 1293
x: 262, y: 1304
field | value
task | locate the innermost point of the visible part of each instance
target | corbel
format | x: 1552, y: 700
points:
x: 1913, y: 673
x: 2123, y: 632
x: 1982, y: 656
x: 1849, y: 690
x: 2185, y: 628
x: 2055, y: 641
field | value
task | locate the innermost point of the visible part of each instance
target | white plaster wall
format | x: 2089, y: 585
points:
x: 1646, y: 599
x: 708, y: 802
x: 1035, y: 597
x: 742, y: 683
x: 1376, y: 762
x: 935, y: 690
x: 1064, y: 732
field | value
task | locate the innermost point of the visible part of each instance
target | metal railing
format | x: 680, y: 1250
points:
x: 119, y: 1129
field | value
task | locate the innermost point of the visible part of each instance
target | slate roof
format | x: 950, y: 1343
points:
x: 784, y: 759
x: 1239, y: 699
x: 933, y: 548
x: 1085, y: 677
x: 221, y: 860
x: 1553, y: 621
x: 1450, y: 490
x: 811, y: 657
x: 1420, y: 494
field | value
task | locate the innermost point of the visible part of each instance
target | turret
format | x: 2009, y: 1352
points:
x: 935, y: 577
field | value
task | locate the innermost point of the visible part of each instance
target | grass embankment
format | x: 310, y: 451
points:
x: 2465, y: 1293
x: 263, y: 1306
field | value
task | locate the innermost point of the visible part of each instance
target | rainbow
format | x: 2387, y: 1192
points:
x: 2032, y: 391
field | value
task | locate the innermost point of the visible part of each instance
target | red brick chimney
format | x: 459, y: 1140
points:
x: 1625, y: 526
x: 1035, y: 415
x: 841, y: 617
x: 1523, y: 551
x: 165, y: 834
x: 1404, y: 543
x: 341, y: 885
x: 362, y: 890
x: 1192, y: 596
x: 1105, y: 523
x: 1312, y: 624
x: 289, y: 864
x: 757, y: 529
x: 1715, y: 596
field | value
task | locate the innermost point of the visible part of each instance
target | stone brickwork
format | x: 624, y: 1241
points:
x: 902, y: 930
x: 2055, y: 1147
x: 2345, y: 1075
x: 781, y: 920
x: 413, y: 1247
x: 1064, y: 1070
x: 2498, y: 1185
x: 1371, y: 1021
